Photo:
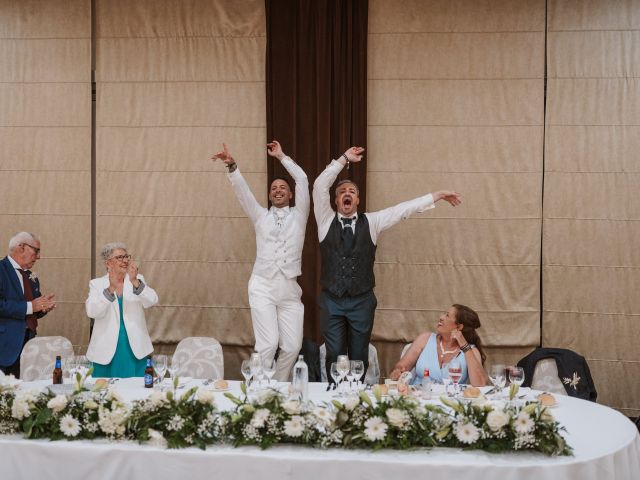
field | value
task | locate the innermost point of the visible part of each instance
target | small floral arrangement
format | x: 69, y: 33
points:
x: 192, y: 419
x: 33, y: 276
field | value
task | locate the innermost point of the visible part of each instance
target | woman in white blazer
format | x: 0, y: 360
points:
x: 120, y: 341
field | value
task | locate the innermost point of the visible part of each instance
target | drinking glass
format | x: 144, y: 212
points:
x: 335, y: 374
x: 343, y: 368
x: 357, y: 370
x: 174, y: 367
x: 255, y: 363
x: 160, y: 364
x: 498, y: 377
x: 455, y: 374
x: 516, y: 375
x: 82, y: 364
x: 269, y: 369
x: 245, y: 369
x: 446, y: 380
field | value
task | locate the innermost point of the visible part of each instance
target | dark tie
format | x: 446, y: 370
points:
x: 347, y: 234
x: 32, y: 320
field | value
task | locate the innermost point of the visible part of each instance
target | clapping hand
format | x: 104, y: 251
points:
x: 132, y: 270
x: 43, y: 303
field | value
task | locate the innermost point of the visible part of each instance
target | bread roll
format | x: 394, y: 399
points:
x: 547, y: 399
x: 221, y: 384
x: 471, y: 392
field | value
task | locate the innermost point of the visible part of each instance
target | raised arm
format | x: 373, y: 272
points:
x: 303, y: 202
x: 321, y: 197
x: 245, y: 196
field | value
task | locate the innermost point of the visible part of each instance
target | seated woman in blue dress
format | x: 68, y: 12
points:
x: 455, y: 340
x: 120, y: 341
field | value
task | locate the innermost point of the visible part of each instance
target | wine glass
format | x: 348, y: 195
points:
x: 269, y: 369
x: 516, y: 375
x: 160, y: 365
x: 255, y: 363
x: 446, y: 380
x: 455, y: 374
x: 357, y: 370
x: 245, y: 369
x: 498, y: 377
x: 335, y: 374
x: 82, y: 364
x: 174, y: 367
x: 343, y: 367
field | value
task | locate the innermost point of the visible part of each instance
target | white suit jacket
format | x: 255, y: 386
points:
x: 107, y: 319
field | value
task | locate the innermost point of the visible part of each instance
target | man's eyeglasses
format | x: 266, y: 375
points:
x: 35, y: 250
x: 121, y: 258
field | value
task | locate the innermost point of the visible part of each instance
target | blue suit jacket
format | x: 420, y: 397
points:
x: 13, y: 311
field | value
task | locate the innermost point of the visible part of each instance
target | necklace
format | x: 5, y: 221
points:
x: 444, y: 352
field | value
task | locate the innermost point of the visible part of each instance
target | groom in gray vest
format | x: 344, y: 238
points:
x: 348, y: 249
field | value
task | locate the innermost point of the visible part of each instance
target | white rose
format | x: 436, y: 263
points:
x: 496, y: 419
x: 292, y: 407
x: 206, y: 397
x: 57, y: 403
x: 20, y: 409
x: 156, y: 439
x: 397, y: 417
x: 351, y: 402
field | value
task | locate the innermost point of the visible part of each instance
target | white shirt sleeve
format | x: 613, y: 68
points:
x: 322, y: 199
x: 246, y: 198
x: 303, y: 202
x: 381, y: 220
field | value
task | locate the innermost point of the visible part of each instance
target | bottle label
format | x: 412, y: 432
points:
x: 148, y: 380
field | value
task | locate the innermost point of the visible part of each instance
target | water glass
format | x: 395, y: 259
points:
x: 343, y: 367
x: 245, y: 369
x: 269, y: 369
x: 160, y: 365
x: 174, y: 367
x: 255, y: 363
x: 357, y: 370
x: 335, y: 374
x: 497, y: 375
x: 516, y: 375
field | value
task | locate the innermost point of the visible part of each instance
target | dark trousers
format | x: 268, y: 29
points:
x: 15, y: 368
x: 346, y: 324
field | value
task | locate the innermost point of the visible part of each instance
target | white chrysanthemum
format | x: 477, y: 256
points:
x: 294, y: 427
x: 467, y: 433
x: 57, y: 403
x: 496, y: 419
x: 157, y: 398
x: 176, y: 423
x: 523, y: 423
x: 397, y: 417
x: 375, y: 429
x: 292, y: 407
x: 206, y: 397
x: 8, y: 382
x: 112, y: 421
x: 260, y: 417
x: 324, y: 416
x: 351, y: 402
x: 156, y: 439
x: 69, y: 426
x: 20, y: 409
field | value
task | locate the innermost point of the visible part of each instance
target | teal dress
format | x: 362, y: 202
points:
x: 124, y: 363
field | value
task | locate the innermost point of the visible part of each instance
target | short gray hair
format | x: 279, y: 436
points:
x: 22, y: 237
x: 108, y: 249
x: 346, y: 180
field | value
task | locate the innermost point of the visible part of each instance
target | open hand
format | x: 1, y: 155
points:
x: 225, y: 156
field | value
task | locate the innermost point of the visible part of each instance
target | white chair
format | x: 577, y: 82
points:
x: 200, y: 357
x: 373, y: 372
x: 546, y: 378
x: 38, y: 357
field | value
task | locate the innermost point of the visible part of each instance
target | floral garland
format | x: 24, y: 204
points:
x: 192, y: 419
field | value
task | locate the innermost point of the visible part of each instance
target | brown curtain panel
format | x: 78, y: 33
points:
x: 316, y: 101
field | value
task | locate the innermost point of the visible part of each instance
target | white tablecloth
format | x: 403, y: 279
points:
x: 606, y: 446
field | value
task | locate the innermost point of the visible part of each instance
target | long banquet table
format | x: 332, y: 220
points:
x: 606, y: 446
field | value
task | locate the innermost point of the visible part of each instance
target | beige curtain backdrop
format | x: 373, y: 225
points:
x: 45, y: 147
x: 592, y: 178
x: 456, y: 101
x: 174, y: 81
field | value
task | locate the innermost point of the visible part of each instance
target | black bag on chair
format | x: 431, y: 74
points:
x: 572, y: 369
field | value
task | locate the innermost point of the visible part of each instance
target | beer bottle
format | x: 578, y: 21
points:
x: 148, y: 374
x: 57, y: 371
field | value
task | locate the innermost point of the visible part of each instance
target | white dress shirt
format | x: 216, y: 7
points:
x: 378, y: 221
x: 279, y: 232
x: 17, y: 267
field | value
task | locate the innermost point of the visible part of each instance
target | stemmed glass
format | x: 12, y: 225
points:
x: 269, y: 369
x: 516, y: 375
x: 245, y: 369
x: 455, y: 374
x: 343, y: 368
x: 255, y: 363
x: 357, y: 370
x: 335, y: 375
x: 82, y: 364
x: 160, y: 365
x: 446, y: 380
x: 498, y: 377
x: 174, y: 368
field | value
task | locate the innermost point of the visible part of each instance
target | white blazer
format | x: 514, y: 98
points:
x: 106, y: 314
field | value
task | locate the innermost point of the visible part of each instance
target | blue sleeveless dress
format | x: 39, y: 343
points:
x: 429, y: 359
x: 124, y: 363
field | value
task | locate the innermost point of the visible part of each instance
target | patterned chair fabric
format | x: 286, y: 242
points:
x: 38, y: 357
x: 200, y: 357
x: 546, y: 378
x: 373, y: 372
